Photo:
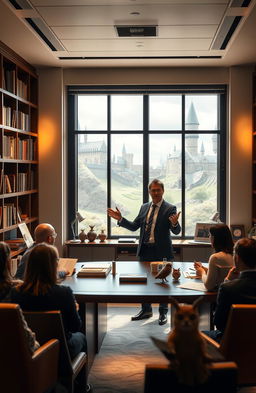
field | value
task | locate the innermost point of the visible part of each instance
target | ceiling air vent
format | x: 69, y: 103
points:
x: 45, y: 34
x: 20, y: 4
x: 136, y: 31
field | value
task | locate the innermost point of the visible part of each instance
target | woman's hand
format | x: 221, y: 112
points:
x: 200, y: 269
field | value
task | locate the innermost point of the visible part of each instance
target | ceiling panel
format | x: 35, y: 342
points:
x: 72, y: 3
x: 136, y: 45
x: 161, y: 14
x: 96, y: 32
x: 86, y: 28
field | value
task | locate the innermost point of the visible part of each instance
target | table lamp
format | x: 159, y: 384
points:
x: 78, y: 218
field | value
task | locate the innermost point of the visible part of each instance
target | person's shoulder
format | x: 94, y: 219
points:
x: 230, y: 285
x: 62, y: 289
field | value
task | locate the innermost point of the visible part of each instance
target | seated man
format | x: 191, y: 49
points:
x: 44, y: 233
x: 241, y: 290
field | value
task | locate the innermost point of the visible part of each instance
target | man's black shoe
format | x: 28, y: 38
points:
x: 142, y: 315
x: 162, y: 319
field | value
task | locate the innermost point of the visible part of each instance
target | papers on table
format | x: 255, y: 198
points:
x: 67, y: 264
x: 195, y: 286
x: 95, y: 270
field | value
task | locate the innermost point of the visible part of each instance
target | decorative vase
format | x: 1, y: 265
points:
x: 176, y: 274
x: 82, y: 236
x: 102, y: 236
x: 91, y: 235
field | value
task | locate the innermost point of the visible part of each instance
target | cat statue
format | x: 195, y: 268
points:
x: 175, y: 274
x: 187, y: 346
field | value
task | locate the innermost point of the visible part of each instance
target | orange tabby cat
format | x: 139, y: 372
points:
x: 187, y: 345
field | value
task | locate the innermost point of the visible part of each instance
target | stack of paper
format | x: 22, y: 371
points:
x: 97, y: 270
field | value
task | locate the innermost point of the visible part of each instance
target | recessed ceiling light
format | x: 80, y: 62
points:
x: 135, y: 13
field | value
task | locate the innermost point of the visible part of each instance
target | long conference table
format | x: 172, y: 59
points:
x: 93, y: 294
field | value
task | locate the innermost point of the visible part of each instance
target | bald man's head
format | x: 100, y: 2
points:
x: 45, y: 233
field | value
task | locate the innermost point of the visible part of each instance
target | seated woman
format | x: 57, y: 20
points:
x: 6, y: 281
x: 6, y: 284
x: 40, y: 292
x: 220, y: 261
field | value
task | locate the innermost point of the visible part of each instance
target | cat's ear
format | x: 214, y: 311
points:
x: 175, y: 303
x: 197, y: 301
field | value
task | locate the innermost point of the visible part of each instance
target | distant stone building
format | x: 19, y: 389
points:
x: 198, y: 164
x: 94, y: 153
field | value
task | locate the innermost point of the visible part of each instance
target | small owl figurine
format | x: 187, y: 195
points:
x: 176, y: 274
x: 164, y: 272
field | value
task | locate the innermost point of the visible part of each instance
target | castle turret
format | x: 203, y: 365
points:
x: 192, y: 124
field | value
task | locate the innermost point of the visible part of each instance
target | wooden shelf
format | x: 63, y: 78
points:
x: 18, y: 140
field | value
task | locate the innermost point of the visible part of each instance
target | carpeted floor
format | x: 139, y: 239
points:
x: 126, y: 349
x: 119, y: 367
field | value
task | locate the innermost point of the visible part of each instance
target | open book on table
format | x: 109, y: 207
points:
x: 67, y: 264
x: 95, y: 270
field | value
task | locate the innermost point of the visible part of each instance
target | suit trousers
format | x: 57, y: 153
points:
x: 148, y: 254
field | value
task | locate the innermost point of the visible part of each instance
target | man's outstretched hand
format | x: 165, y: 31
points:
x: 174, y: 218
x: 116, y: 214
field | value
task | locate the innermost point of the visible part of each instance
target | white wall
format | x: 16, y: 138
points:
x: 52, y: 130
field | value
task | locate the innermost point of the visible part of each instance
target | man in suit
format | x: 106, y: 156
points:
x: 44, y: 233
x: 241, y: 290
x: 155, y: 219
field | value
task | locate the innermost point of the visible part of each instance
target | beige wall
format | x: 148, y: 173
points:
x: 51, y: 177
x: 52, y: 130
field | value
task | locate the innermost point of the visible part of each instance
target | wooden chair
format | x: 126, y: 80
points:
x: 21, y: 371
x: 160, y: 378
x: 238, y: 343
x: 48, y: 324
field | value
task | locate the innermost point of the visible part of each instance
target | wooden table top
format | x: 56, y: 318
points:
x: 110, y: 290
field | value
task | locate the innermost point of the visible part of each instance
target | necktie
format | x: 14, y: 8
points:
x: 149, y: 224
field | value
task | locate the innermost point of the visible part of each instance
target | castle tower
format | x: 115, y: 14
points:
x: 202, y: 150
x: 192, y: 124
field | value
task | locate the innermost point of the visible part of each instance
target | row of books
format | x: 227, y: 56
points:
x: 9, y: 80
x: 22, y: 89
x: 26, y: 149
x: 15, y: 119
x: 19, y: 182
x: 8, y: 214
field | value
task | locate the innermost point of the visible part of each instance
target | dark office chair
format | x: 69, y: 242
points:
x: 21, y: 371
x: 238, y: 343
x: 49, y: 324
x: 160, y: 378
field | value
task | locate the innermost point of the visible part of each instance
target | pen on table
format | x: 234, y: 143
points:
x: 82, y: 266
x: 191, y: 268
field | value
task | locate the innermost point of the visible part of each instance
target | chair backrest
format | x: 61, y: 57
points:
x: 13, y: 344
x: 161, y: 378
x: 20, y: 370
x: 47, y: 325
x: 239, y: 341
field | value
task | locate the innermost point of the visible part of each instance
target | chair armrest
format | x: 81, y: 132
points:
x: 78, y: 362
x: 210, y: 341
x: 45, y: 365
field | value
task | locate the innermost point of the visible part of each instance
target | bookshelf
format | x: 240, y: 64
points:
x: 254, y: 149
x: 18, y: 145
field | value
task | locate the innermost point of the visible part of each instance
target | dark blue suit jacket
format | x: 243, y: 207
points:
x: 239, y: 291
x: 163, y: 241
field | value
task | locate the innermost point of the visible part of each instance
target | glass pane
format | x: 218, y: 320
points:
x: 126, y: 113
x: 92, y: 181
x: 201, y: 112
x: 165, y: 112
x: 165, y: 164
x: 201, y: 179
x: 92, y: 113
x: 126, y: 178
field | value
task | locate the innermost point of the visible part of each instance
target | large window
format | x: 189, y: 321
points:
x: 120, y: 139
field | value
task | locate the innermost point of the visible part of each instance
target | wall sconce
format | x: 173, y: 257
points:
x: 78, y: 218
